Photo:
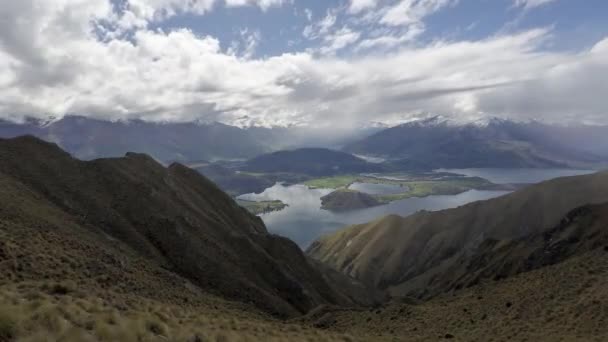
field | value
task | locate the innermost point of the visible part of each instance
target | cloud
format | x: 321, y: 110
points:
x: 322, y: 27
x: 529, y: 4
x: 308, y: 13
x: 139, y: 13
x: 390, y: 41
x: 412, y: 12
x: 54, y: 61
x: 357, y: 6
x: 263, y: 4
x: 339, y: 40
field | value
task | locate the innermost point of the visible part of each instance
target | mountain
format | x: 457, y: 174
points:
x: 565, y: 301
x: 125, y: 249
x: 581, y: 231
x: 88, y: 138
x: 232, y: 182
x: 402, y: 255
x: 434, y: 143
x: 310, y: 161
x: 174, y: 218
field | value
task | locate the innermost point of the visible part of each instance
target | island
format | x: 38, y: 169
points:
x: 405, y: 186
x: 345, y: 199
x: 261, y: 207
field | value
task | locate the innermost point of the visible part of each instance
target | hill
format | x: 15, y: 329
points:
x: 581, y: 231
x: 402, y: 254
x: 232, y: 182
x: 174, y: 218
x: 565, y: 301
x: 436, y: 143
x: 344, y: 199
x: 125, y: 249
x: 310, y: 161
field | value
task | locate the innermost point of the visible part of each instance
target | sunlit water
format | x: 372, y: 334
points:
x: 304, y: 221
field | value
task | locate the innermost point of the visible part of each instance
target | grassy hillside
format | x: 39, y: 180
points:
x: 127, y: 250
x: 172, y: 216
x: 563, y: 302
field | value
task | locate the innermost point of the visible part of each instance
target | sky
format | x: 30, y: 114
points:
x: 318, y: 63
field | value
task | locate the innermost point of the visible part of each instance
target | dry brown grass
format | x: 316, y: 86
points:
x: 34, y: 312
x: 563, y: 302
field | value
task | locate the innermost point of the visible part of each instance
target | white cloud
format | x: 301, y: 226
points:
x: 308, y: 13
x: 339, y: 40
x: 263, y: 4
x: 529, y: 4
x: 390, y: 41
x: 408, y: 12
x: 357, y: 6
x: 322, y: 27
x: 138, y: 13
x: 53, y: 62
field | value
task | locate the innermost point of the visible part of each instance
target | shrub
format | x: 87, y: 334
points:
x: 8, y: 325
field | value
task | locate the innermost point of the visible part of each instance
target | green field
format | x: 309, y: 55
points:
x: 417, y: 185
x: 335, y: 182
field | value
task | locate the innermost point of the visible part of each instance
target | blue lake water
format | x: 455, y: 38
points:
x: 304, y: 221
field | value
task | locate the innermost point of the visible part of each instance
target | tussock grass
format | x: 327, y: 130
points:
x: 66, y: 317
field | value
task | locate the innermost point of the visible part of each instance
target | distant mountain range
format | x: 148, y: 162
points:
x: 87, y: 138
x: 436, y: 143
x: 126, y: 249
x: 310, y: 161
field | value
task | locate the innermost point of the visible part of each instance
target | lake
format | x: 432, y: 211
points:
x: 304, y: 221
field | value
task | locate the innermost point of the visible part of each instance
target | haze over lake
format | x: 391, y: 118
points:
x: 303, y: 220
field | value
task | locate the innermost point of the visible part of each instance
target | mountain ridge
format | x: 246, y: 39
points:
x: 433, y: 143
x: 173, y: 216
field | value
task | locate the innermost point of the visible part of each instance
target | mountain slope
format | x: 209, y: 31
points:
x: 171, y: 216
x: 402, y: 253
x: 584, y: 229
x: 93, y: 251
x: 310, y: 161
x: 434, y: 143
x: 566, y: 301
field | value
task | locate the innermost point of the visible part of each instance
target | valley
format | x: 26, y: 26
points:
x: 128, y: 249
x: 303, y: 171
